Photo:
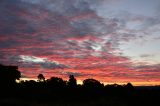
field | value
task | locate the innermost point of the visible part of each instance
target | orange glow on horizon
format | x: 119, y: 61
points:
x: 108, y: 83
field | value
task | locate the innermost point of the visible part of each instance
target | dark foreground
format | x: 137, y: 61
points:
x: 111, y: 95
x: 58, y: 92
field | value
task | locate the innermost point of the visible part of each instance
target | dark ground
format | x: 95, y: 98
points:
x: 146, y: 96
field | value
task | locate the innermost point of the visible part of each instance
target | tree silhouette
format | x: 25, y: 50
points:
x: 72, y: 81
x: 41, y: 78
x: 92, y: 83
x: 129, y: 87
x: 9, y: 74
x: 55, y: 82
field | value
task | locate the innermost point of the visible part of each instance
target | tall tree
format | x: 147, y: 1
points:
x: 41, y: 78
x: 72, y: 81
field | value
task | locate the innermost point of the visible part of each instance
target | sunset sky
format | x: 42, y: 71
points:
x: 113, y: 41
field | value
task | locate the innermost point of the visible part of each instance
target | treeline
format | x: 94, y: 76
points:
x: 56, y: 91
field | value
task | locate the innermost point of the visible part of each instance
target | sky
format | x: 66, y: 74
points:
x: 113, y: 41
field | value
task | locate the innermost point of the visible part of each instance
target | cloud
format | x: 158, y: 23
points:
x: 43, y: 62
x: 147, y: 55
x: 148, y: 68
x: 79, y: 35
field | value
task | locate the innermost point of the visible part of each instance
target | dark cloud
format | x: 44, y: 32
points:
x: 148, y: 68
x: 76, y: 74
x: 147, y: 55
